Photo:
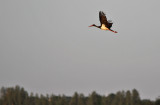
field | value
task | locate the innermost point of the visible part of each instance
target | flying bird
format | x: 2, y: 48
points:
x: 105, y: 25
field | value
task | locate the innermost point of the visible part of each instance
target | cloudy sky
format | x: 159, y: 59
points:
x: 46, y: 46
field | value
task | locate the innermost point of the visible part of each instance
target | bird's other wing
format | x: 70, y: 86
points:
x: 102, y: 18
x: 109, y: 25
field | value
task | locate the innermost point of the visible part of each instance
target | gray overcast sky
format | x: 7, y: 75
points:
x: 46, y: 46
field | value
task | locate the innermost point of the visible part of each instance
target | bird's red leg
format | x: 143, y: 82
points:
x: 113, y: 31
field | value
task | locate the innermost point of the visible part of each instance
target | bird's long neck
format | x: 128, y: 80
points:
x: 97, y: 26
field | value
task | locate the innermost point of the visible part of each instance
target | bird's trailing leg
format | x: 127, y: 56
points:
x: 113, y: 31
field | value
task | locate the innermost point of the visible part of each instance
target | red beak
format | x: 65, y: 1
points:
x: 90, y: 26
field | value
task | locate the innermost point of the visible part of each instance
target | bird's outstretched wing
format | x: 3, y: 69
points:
x: 103, y: 20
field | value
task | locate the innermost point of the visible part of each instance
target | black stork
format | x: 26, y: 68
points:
x: 105, y: 25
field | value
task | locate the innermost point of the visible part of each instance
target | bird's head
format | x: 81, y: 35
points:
x: 92, y: 25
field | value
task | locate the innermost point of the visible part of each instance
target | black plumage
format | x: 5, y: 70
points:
x: 103, y: 20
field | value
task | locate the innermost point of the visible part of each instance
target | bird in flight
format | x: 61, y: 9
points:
x: 105, y: 25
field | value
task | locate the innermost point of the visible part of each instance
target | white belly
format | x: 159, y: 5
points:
x: 103, y: 27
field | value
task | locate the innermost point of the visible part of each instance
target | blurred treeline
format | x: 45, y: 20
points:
x: 18, y: 96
